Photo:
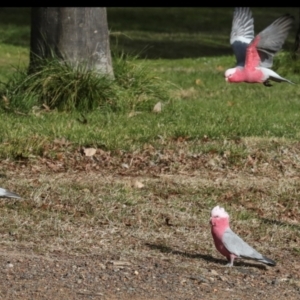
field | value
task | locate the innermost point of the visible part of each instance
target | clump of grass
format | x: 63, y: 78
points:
x: 286, y: 63
x: 60, y: 86
x: 141, y: 87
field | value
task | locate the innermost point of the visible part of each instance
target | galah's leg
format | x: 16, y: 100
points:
x: 230, y: 264
x: 267, y: 83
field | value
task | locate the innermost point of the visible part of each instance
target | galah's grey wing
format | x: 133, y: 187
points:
x: 6, y: 193
x: 242, y: 33
x: 272, y: 38
x: 234, y: 244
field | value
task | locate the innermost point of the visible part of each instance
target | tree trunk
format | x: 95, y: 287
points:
x: 76, y: 35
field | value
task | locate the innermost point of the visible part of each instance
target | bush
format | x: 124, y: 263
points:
x: 62, y: 87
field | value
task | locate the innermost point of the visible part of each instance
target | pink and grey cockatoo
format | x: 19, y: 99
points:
x: 228, y: 243
x: 254, y: 56
x: 8, y: 194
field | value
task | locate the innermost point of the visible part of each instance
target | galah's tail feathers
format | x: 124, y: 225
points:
x: 270, y: 74
x: 6, y: 193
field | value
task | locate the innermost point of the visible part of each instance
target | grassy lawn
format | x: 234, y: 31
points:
x: 156, y: 176
x: 200, y: 103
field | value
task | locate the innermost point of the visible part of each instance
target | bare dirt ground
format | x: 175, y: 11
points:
x: 89, y: 229
x: 62, y: 276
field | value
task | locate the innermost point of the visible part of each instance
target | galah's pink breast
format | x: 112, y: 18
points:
x: 246, y: 75
x: 217, y: 236
x: 254, y: 76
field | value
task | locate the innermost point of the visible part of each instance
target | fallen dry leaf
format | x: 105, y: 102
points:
x: 5, y: 100
x: 157, y: 107
x: 133, y: 113
x: 138, y: 184
x: 46, y: 107
x: 61, y: 142
x: 198, y: 81
x: 89, y: 151
x: 120, y: 263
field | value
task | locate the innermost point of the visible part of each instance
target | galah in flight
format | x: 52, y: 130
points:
x: 254, y: 56
x: 228, y: 243
x: 8, y: 194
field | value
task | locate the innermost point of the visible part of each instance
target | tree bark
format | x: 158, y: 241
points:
x: 73, y: 34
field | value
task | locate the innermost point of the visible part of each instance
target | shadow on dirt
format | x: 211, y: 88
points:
x: 208, y: 258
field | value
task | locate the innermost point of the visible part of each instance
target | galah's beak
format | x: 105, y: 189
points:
x: 226, y: 79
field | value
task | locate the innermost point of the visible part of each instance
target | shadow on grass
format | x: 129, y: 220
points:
x: 280, y: 223
x: 173, y: 33
x: 17, y: 16
x: 208, y: 258
x: 169, y: 33
x: 168, y: 49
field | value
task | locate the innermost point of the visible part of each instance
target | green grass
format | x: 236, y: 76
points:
x: 212, y: 108
x: 200, y: 103
x: 213, y: 143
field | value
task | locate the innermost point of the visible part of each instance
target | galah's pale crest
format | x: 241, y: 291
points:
x: 228, y: 243
x: 8, y: 194
x: 254, y: 56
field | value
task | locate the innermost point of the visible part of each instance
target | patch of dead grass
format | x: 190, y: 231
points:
x: 189, y: 93
x: 95, y: 208
x: 91, y: 209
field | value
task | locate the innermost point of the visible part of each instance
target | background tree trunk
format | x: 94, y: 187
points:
x: 73, y: 34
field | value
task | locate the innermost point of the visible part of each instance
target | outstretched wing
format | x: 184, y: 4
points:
x: 6, y: 193
x: 272, y: 38
x: 234, y: 244
x: 242, y: 33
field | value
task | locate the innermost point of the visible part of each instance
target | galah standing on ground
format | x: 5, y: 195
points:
x: 228, y: 243
x: 8, y: 194
x: 254, y: 56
